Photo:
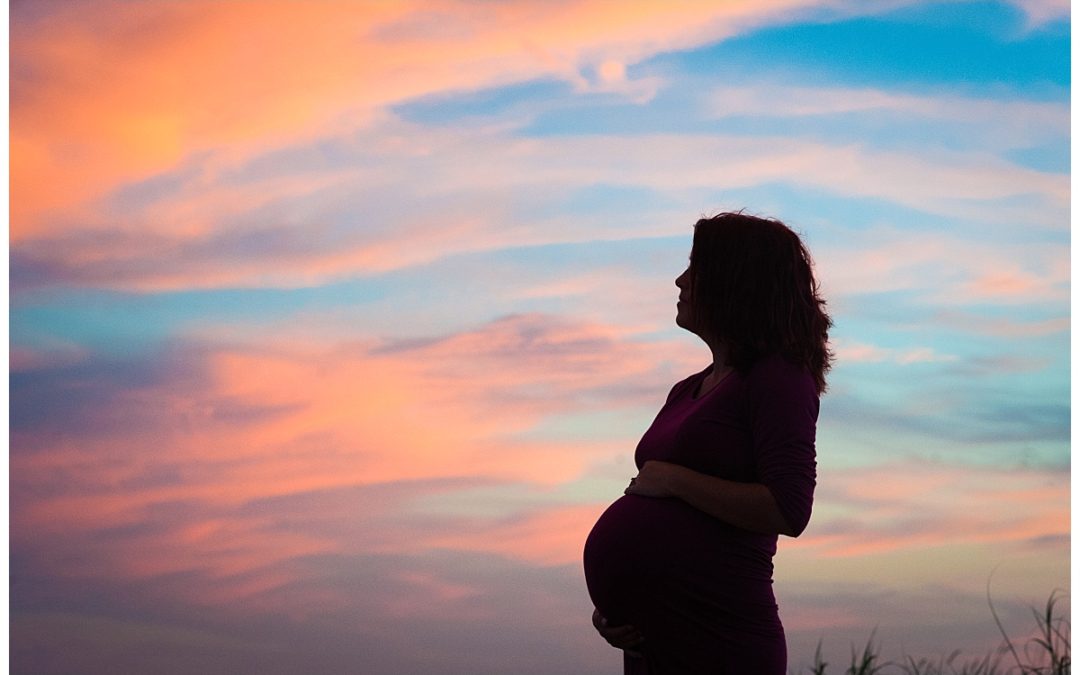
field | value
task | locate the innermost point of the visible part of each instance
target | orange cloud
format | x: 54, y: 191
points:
x: 244, y: 460
x: 551, y: 537
x: 109, y: 92
x: 134, y: 134
x: 160, y: 478
x: 312, y: 221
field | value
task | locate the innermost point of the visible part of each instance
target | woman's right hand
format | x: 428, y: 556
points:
x: 625, y: 637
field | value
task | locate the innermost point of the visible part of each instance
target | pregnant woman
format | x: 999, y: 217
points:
x: 680, y: 568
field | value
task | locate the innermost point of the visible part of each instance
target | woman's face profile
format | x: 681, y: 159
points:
x: 684, y: 307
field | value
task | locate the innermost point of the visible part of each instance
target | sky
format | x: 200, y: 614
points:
x: 334, y: 325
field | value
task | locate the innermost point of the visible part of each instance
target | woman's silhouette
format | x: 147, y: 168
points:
x: 680, y: 568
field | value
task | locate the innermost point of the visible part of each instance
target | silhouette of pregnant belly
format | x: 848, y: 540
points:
x: 641, y: 545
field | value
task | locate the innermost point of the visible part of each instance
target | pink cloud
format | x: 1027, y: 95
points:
x: 191, y: 107
x: 1040, y: 12
x: 945, y: 269
x: 550, y: 537
x: 45, y: 354
x: 908, y: 506
x: 236, y: 235
x: 155, y: 85
x: 231, y: 426
x: 847, y: 351
x: 167, y: 488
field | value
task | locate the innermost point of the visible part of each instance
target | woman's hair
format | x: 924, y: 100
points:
x: 752, y: 286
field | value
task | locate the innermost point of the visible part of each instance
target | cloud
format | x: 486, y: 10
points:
x: 184, y: 170
x: 462, y: 612
x: 198, y: 519
x: 160, y: 83
x: 960, y: 412
x: 998, y: 123
x: 1008, y: 327
x: 47, y: 353
x: 550, y: 537
x: 330, y: 220
x: 1041, y: 12
x: 856, y: 352
x: 180, y: 463
x: 944, y: 269
x: 233, y: 502
x: 237, y: 465
x: 917, y: 505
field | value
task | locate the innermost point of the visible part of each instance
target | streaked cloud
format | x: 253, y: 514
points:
x: 138, y: 215
x: 1037, y: 118
x: 945, y: 269
x: 267, y: 246
x: 920, y: 505
x: 168, y: 81
x: 1002, y: 326
x: 1040, y: 12
x: 855, y: 352
x: 223, y: 427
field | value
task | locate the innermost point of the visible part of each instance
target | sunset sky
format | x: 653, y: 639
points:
x: 334, y: 325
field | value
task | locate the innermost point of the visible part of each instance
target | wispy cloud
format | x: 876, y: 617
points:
x: 162, y: 462
x: 146, y: 103
x: 945, y: 269
x: 852, y: 352
x: 1041, y: 12
x: 1008, y: 327
x: 1002, y: 123
x: 168, y: 187
x: 486, y: 189
x: 930, y: 504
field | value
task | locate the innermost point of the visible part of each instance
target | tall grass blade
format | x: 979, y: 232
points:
x: 866, y: 663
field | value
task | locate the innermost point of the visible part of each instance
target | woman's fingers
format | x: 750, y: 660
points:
x: 622, y: 637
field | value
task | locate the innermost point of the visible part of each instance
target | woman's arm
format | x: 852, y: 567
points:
x: 750, y: 506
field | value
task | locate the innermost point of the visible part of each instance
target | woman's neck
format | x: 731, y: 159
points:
x: 720, y: 368
x: 719, y: 356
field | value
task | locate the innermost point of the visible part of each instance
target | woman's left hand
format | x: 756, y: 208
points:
x: 653, y: 480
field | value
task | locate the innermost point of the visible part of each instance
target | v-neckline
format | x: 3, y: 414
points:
x: 697, y: 394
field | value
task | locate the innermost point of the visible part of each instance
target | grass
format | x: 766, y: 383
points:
x: 1048, y: 653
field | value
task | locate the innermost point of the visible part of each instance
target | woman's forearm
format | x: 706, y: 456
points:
x: 750, y: 506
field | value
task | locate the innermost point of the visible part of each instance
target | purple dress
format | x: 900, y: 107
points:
x: 698, y: 589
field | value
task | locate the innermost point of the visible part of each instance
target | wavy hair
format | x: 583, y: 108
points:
x: 753, y: 287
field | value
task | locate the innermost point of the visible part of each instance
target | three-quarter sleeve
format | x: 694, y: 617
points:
x: 783, y: 403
